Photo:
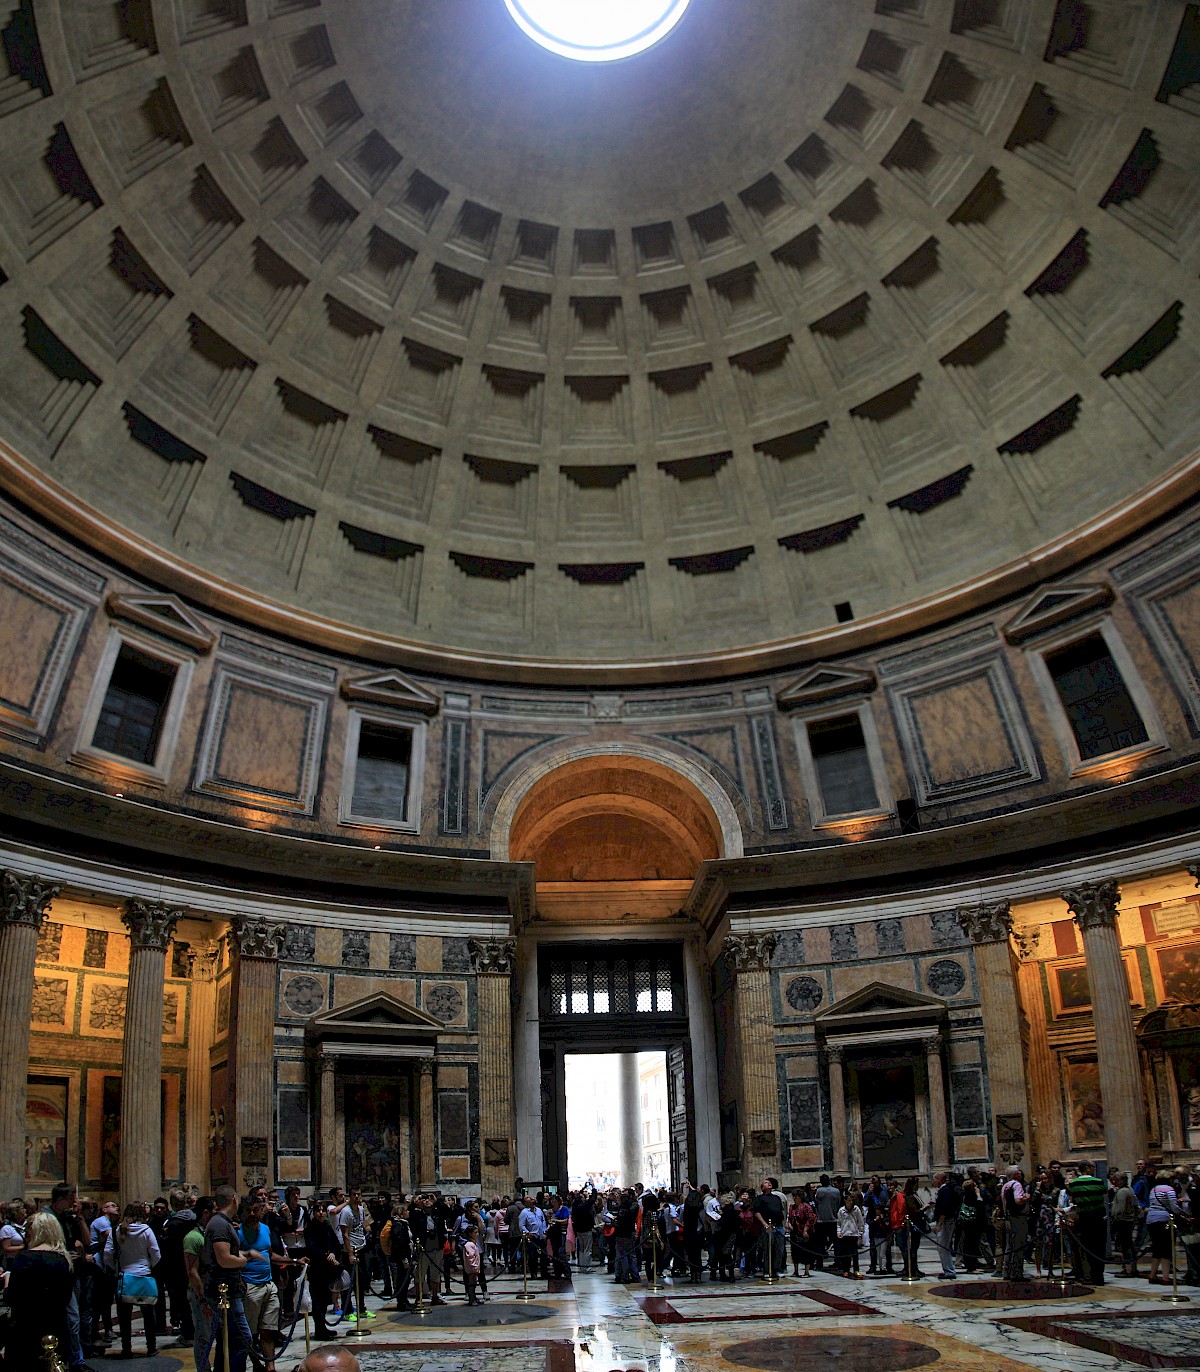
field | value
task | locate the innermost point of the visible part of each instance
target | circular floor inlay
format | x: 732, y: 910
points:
x: 597, y: 30
x: 474, y: 1316
x: 1009, y: 1291
x: 847, y: 1353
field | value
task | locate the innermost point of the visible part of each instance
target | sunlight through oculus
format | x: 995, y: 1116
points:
x: 597, y: 30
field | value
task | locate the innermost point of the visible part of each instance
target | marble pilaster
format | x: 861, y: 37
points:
x: 492, y: 963
x: 989, y: 927
x: 256, y: 942
x: 201, y: 1022
x: 749, y: 957
x: 150, y: 925
x: 426, y: 1156
x: 1094, y: 906
x: 24, y: 901
x: 838, y: 1118
x: 328, y: 1122
x: 939, y: 1124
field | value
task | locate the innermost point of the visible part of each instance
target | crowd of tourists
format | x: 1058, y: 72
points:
x: 211, y: 1271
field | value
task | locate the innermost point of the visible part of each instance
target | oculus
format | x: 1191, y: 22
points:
x: 597, y: 30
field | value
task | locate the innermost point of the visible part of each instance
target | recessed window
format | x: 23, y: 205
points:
x: 842, y: 764
x: 1097, y: 702
x: 597, y: 30
x: 382, y: 775
x: 384, y: 761
x: 131, y: 717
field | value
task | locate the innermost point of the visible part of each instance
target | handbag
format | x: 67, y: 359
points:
x: 136, y: 1290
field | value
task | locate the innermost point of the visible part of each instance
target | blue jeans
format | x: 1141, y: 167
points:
x: 625, y: 1268
x: 239, y: 1334
x: 73, y: 1331
x: 203, y: 1340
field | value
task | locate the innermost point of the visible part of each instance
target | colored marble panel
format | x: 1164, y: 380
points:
x: 847, y: 1352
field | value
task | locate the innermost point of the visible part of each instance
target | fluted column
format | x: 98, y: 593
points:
x: 426, y: 1159
x: 492, y: 963
x: 838, y: 1119
x: 150, y: 925
x: 328, y: 1121
x: 938, y: 1115
x: 201, y: 1018
x: 749, y: 955
x: 256, y: 942
x: 989, y: 927
x: 23, y: 904
x: 1094, y: 906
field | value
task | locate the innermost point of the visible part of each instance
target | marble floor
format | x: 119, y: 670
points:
x: 860, y: 1326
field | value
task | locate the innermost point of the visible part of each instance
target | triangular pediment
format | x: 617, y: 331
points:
x: 1054, y: 605
x: 378, y: 1015
x: 165, y: 615
x: 391, y: 688
x: 880, y: 999
x: 826, y: 681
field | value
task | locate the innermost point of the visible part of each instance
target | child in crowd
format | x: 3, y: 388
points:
x: 472, y: 1260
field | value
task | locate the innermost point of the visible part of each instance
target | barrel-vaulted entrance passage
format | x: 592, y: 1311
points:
x: 610, y: 965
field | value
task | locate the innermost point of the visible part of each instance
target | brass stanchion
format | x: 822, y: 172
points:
x: 50, y: 1354
x: 770, y: 1279
x: 360, y: 1329
x: 223, y: 1306
x: 910, y: 1266
x: 654, y: 1284
x: 1063, y: 1280
x: 307, y: 1336
x: 524, y: 1294
x: 1174, y: 1297
x: 421, y: 1309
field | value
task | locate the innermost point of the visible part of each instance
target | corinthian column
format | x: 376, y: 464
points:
x: 492, y: 963
x: 201, y: 1017
x: 23, y: 904
x: 750, y: 957
x: 150, y: 925
x: 938, y: 1115
x: 989, y: 927
x: 839, y: 1120
x: 256, y: 942
x: 1094, y: 906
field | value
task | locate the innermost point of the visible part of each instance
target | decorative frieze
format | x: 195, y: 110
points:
x: 1094, y: 903
x: 492, y: 956
x: 150, y: 923
x: 25, y: 899
x: 749, y: 952
x: 988, y: 922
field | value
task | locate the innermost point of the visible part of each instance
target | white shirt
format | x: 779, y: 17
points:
x: 352, y: 1225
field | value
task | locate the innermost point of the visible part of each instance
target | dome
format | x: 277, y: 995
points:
x: 381, y: 325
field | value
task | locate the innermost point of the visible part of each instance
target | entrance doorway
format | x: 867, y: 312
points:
x: 614, y: 1030
x: 617, y: 1119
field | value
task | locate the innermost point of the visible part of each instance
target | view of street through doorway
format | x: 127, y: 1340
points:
x: 617, y: 1118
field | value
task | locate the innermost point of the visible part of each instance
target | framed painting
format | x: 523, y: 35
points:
x: 1083, y: 1101
x: 45, y: 1132
x: 1177, y: 972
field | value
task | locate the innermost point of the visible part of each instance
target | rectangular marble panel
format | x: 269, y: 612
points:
x: 804, y: 1111
x: 454, y: 1130
x: 966, y: 1100
x: 292, y: 1133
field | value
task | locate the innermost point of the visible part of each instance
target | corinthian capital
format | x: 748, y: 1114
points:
x: 492, y: 956
x: 254, y: 936
x: 750, y: 952
x: 988, y: 922
x: 150, y: 922
x: 1094, y: 903
x: 24, y: 899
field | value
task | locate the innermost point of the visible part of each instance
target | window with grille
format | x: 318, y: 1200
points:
x: 649, y: 984
x: 1097, y: 702
x: 134, y: 707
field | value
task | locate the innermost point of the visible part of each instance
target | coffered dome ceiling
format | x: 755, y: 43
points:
x: 375, y: 313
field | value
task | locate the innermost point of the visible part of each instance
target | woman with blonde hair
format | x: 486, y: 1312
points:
x: 131, y: 1252
x: 40, y: 1284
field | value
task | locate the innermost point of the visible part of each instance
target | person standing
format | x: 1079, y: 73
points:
x: 193, y: 1254
x: 40, y: 1284
x: 323, y: 1250
x: 429, y: 1240
x: 583, y: 1222
x: 624, y: 1230
x: 261, y: 1301
x: 354, y: 1226
x: 1014, y: 1207
x: 133, y: 1253
x: 223, y: 1263
x: 851, y: 1226
x: 1086, y: 1191
x: 771, y: 1212
x: 1124, y: 1213
x: 946, y: 1206
x: 180, y: 1222
x: 64, y: 1205
x: 827, y: 1202
x: 472, y: 1261
x: 1163, y: 1206
x: 532, y: 1224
